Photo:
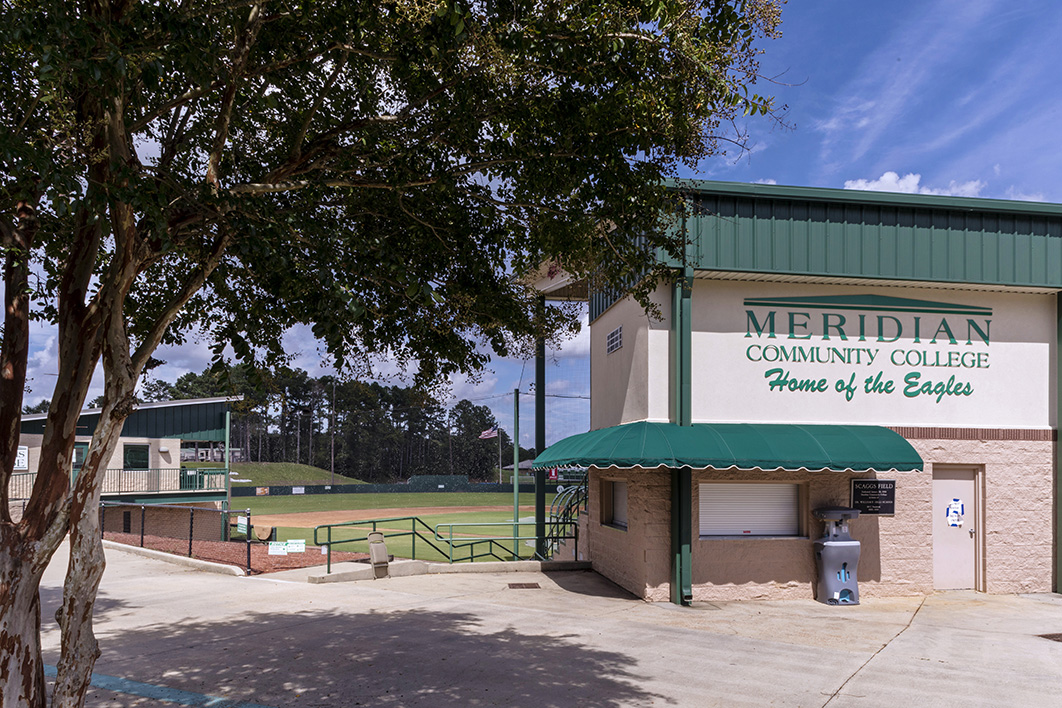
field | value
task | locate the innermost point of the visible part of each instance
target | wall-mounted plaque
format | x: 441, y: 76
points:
x: 874, y: 496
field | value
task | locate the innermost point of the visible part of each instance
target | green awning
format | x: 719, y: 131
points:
x: 764, y: 446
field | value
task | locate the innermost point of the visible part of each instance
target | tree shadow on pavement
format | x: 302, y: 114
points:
x: 52, y: 599
x: 397, y: 658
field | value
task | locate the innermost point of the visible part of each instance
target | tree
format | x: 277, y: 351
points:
x: 472, y: 456
x: 41, y: 407
x: 378, y: 171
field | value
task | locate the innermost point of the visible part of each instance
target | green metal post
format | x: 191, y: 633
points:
x: 540, y: 441
x: 682, y: 414
x: 681, y: 536
x: 681, y: 346
x: 228, y: 475
x: 1058, y: 458
x: 516, y: 470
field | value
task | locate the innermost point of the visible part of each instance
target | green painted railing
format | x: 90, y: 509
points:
x: 485, y: 546
x: 325, y: 536
x: 163, y: 479
x: 453, y: 546
x: 123, y: 481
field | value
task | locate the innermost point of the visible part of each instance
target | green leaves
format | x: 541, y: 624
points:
x: 384, y: 170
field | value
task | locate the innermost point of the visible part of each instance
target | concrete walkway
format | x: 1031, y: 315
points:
x: 577, y: 640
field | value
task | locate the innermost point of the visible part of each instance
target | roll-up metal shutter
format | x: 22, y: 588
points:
x: 619, y: 504
x: 749, y: 509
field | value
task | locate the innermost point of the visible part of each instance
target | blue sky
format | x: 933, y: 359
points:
x: 940, y: 97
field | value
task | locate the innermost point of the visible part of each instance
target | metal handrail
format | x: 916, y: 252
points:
x: 413, y: 533
x: 563, y: 523
x: 471, y: 543
x: 147, y: 481
x: 494, y: 549
x: 162, y: 479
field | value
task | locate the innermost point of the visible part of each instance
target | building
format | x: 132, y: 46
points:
x: 896, y: 353
x: 146, y: 467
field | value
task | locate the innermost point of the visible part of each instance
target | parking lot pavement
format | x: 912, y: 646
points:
x: 574, y: 640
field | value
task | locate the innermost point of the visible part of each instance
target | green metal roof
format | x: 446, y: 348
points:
x: 191, y: 419
x: 845, y: 233
x: 765, y: 446
x: 848, y: 233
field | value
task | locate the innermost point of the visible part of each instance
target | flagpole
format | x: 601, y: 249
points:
x: 499, y: 455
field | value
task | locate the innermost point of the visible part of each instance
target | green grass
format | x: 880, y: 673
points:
x: 405, y: 546
x: 401, y: 544
x: 336, y: 502
x: 264, y: 474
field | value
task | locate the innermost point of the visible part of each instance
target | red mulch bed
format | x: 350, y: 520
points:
x: 235, y: 552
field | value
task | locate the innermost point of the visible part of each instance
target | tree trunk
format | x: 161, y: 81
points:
x: 21, y: 667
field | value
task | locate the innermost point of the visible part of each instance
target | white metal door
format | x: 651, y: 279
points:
x: 955, y: 529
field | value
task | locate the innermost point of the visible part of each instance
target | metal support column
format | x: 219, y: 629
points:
x: 681, y: 535
x: 1057, y: 580
x: 681, y: 345
x: 540, y: 440
x: 516, y: 474
x: 228, y: 473
x: 682, y: 414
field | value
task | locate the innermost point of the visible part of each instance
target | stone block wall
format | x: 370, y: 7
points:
x: 1016, y: 484
x: 1016, y: 490
x: 636, y: 558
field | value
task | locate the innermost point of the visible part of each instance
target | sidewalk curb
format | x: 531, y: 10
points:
x: 406, y: 568
x: 195, y: 563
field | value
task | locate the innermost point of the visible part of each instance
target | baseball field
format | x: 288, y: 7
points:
x: 413, y: 523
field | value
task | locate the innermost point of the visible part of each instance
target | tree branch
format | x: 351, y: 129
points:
x: 228, y: 99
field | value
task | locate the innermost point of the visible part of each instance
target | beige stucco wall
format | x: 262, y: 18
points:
x: 132, y: 482
x: 157, y: 458
x: 631, y: 383
x: 1003, y: 393
x: 897, y: 551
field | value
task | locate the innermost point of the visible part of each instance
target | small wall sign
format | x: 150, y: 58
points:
x: 874, y: 496
x: 22, y: 458
x: 955, y: 512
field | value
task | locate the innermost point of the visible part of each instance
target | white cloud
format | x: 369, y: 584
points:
x: 1022, y: 196
x: 765, y: 180
x: 910, y: 183
x: 578, y: 346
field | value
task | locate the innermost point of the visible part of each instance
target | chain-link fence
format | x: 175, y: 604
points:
x: 206, y: 533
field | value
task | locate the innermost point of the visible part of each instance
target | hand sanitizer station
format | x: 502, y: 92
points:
x: 837, y: 556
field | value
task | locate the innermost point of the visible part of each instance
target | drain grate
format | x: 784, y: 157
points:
x: 1052, y: 637
x: 524, y: 586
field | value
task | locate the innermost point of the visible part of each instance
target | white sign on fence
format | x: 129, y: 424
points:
x: 22, y: 459
x: 278, y: 548
x: 296, y: 545
x: 298, y: 490
x: 241, y: 524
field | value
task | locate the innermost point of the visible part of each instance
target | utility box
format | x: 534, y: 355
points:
x: 837, y: 556
x: 378, y: 554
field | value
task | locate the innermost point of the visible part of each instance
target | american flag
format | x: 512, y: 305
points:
x: 489, y: 433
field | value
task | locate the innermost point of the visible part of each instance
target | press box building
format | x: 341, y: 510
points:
x: 825, y: 348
